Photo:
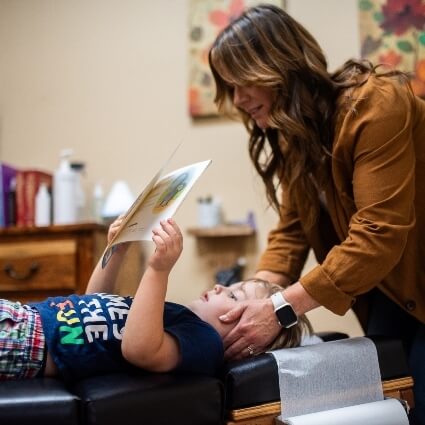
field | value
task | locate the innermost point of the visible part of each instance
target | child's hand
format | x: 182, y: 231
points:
x: 113, y: 228
x: 169, y: 245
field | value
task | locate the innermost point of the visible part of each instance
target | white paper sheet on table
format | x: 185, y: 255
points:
x: 332, y: 375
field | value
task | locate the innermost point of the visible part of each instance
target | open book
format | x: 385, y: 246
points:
x: 158, y: 201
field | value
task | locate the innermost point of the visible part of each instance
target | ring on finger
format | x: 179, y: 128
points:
x: 251, y: 349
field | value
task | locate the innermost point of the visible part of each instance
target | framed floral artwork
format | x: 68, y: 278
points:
x: 393, y: 33
x: 206, y: 19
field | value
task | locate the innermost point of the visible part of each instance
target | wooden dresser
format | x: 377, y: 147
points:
x: 38, y: 262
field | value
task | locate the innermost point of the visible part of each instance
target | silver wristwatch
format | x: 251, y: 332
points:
x: 284, y: 312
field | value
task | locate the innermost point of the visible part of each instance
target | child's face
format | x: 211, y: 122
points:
x: 219, y: 300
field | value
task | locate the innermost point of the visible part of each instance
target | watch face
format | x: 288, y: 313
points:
x: 286, y: 316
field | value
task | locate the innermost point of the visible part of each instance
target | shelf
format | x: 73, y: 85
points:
x: 222, y: 231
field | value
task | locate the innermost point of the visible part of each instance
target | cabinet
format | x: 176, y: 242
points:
x: 38, y: 262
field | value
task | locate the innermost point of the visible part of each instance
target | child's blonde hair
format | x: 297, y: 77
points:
x: 287, y: 337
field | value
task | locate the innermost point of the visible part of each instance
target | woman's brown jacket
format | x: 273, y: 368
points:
x: 376, y: 202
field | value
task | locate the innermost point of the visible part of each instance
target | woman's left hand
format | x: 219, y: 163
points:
x: 256, y: 330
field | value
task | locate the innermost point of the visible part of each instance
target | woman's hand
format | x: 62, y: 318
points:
x: 169, y: 245
x: 258, y: 325
x: 256, y: 330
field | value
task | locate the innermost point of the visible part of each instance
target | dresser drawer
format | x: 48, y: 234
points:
x: 38, y: 265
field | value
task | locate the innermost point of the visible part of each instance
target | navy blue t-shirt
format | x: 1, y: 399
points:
x: 84, y: 333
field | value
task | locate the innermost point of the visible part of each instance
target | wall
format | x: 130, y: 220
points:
x: 108, y: 79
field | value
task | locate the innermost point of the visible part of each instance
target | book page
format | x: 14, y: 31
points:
x: 139, y: 200
x: 159, y: 202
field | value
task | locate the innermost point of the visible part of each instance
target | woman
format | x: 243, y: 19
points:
x: 341, y: 155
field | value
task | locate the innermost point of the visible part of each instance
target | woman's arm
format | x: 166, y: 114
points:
x: 145, y: 344
x: 103, y: 280
x: 375, y: 176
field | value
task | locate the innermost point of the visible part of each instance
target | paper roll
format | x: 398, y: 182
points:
x: 384, y: 412
x: 328, y: 376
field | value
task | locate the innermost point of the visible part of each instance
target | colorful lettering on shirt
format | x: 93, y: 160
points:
x: 62, y: 316
x: 96, y: 332
x: 92, y: 315
x: 71, y: 335
x: 117, y: 332
x: 101, y: 315
x: 62, y: 305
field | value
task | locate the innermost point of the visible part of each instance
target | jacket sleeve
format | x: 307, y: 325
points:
x: 287, y: 246
x: 378, y: 147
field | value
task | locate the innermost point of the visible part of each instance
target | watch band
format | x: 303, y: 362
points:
x: 278, y: 300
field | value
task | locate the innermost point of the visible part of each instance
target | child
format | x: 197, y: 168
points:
x: 83, y: 335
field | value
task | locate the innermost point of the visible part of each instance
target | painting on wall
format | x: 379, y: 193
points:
x: 393, y: 33
x: 206, y: 19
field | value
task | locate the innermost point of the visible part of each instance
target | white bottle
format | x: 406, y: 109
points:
x: 98, y: 202
x: 80, y: 196
x: 209, y: 212
x: 64, y: 192
x: 42, y: 206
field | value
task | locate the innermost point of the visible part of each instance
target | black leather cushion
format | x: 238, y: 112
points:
x: 37, y: 401
x: 151, y: 399
x: 255, y: 380
x: 391, y: 357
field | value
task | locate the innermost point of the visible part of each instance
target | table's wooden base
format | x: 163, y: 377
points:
x: 266, y: 413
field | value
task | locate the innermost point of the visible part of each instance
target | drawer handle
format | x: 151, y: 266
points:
x: 11, y: 272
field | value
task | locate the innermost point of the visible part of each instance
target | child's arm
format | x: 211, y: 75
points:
x: 103, y: 280
x: 144, y: 343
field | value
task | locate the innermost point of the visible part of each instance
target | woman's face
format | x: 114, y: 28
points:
x: 255, y: 101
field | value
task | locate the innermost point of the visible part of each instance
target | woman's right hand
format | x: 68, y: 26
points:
x: 257, y: 327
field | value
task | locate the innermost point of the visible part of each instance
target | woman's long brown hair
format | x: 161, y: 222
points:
x: 266, y: 47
